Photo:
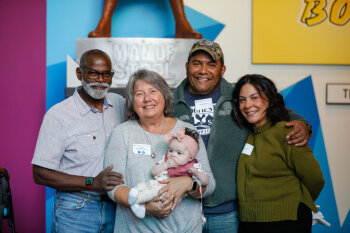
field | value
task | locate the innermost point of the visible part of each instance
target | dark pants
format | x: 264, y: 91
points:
x: 301, y: 225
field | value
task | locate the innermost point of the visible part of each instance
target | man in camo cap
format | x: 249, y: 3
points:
x: 204, y: 99
x: 210, y: 47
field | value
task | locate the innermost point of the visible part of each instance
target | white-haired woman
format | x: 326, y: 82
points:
x: 137, y: 145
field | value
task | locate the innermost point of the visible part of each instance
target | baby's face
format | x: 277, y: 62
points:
x: 179, y: 152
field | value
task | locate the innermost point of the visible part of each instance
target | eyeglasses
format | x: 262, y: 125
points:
x: 94, y: 74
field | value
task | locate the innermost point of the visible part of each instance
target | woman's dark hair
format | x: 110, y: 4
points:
x: 275, y: 111
x: 192, y: 133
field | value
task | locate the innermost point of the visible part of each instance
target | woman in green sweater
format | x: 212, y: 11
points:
x: 277, y: 183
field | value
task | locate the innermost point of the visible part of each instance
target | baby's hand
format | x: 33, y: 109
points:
x: 171, y: 163
x: 193, y: 171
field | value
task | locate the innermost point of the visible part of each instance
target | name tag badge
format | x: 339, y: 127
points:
x: 204, y: 104
x: 247, y: 149
x: 141, y: 149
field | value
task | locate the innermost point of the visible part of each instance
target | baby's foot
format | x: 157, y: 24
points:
x: 139, y: 210
x: 133, y: 195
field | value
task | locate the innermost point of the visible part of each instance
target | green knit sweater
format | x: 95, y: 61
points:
x: 225, y: 143
x: 274, y: 177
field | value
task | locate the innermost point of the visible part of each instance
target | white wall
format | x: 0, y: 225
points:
x: 236, y: 40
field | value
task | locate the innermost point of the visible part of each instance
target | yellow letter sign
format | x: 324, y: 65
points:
x: 301, y: 32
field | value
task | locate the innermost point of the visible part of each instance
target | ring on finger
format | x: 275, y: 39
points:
x: 107, y: 182
x: 303, y: 138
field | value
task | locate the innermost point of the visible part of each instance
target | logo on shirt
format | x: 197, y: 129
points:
x: 203, y: 119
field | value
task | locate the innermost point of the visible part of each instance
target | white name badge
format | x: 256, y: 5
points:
x: 247, y: 149
x: 203, y: 104
x: 141, y: 149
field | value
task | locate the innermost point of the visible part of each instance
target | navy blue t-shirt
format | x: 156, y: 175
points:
x: 202, y: 119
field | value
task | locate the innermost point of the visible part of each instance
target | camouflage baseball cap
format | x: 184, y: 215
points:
x: 208, y: 46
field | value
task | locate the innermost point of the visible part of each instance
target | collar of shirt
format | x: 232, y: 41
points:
x: 84, y: 108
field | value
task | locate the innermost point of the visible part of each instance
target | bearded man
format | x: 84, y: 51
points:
x: 70, y: 149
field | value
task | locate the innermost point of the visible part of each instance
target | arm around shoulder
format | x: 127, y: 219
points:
x: 302, y: 130
x: 294, y: 116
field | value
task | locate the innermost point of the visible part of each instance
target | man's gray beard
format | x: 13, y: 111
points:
x: 95, y: 93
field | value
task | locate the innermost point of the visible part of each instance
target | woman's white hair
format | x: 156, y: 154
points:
x: 157, y: 81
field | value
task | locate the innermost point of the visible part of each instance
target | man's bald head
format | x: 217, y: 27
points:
x: 94, y: 53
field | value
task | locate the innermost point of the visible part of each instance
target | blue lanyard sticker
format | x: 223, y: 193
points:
x: 141, y: 149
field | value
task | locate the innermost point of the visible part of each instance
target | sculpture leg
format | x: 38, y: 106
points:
x: 183, y: 28
x: 104, y: 26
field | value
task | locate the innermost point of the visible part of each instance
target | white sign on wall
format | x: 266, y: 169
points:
x: 338, y: 93
x: 166, y: 56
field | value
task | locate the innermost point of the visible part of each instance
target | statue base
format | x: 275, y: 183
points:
x: 166, y: 56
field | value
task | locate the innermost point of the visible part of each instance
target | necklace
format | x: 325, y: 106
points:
x: 153, y: 155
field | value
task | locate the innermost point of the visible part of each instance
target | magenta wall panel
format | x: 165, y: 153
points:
x: 22, y: 104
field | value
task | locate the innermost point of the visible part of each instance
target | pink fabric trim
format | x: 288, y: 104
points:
x: 181, y: 170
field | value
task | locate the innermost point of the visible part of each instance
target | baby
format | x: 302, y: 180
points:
x: 179, y: 161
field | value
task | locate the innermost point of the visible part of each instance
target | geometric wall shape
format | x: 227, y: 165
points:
x: 301, y: 98
x: 301, y: 32
x: 209, y: 27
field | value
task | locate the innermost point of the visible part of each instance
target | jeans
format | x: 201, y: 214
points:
x: 77, y: 214
x: 221, y: 223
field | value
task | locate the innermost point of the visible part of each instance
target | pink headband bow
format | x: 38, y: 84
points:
x: 180, y: 135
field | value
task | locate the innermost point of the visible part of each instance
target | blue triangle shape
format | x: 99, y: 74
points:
x: 301, y: 98
x: 209, y: 27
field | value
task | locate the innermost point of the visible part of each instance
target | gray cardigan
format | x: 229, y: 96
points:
x: 136, y: 168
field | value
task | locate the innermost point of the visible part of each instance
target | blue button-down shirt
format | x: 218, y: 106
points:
x: 73, y: 135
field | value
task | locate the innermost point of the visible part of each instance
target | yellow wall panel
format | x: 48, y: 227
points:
x: 301, y: 31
